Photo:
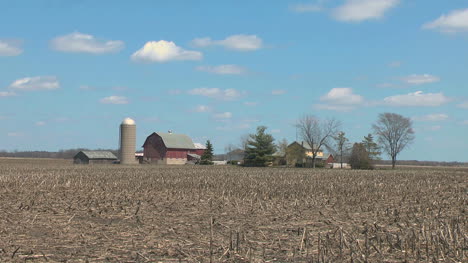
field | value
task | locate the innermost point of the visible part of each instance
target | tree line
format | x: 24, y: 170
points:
x: 394, y: 133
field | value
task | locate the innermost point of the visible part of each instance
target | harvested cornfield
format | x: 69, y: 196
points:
x: 57, y: 212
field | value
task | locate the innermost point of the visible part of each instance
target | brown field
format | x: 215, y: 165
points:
x: 53, y: 211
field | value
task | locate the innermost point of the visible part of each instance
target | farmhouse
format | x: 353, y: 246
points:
x: 171, y: 148
x: 94, y: 157
x: 301, y: 153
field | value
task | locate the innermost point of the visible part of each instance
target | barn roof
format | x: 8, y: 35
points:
x: 176, y: 141
x: 199, y: 146
x: 98, y: 155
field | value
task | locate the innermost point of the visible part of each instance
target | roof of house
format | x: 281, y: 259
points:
x: 304, y: 144
x: 98, y: 155
x: 176, y: 141
x: 199, y: 146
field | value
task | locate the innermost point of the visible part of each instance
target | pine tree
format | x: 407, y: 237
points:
x: 207, y: 156
x: 260, y: 148
x: 371, y: 147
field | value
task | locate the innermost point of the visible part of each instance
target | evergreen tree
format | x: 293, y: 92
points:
x: 372, y: 148
x: 259, y: 148
x: 207, y: 156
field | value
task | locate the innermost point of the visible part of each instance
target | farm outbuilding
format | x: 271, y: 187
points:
x: 94, y: 157
x: 170, y: 148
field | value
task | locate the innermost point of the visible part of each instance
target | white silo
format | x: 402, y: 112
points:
x: 127, y: 141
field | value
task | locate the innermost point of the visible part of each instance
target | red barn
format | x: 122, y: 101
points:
x: 169, y: 148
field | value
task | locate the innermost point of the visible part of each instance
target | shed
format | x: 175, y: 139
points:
x: 94, y: 157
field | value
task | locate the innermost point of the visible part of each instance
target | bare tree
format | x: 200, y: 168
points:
x: 317, y: 133
x: 394, y: 132
x: 282, y: 147
x: 341, y: 146
x: 228, y: 149
x: 244, y: 141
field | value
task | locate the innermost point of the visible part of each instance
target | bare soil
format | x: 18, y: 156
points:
x: 53, y: 211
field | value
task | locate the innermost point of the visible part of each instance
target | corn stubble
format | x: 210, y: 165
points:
x: 54, y: 211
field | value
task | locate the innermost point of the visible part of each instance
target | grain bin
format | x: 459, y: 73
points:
x: 127, y: 141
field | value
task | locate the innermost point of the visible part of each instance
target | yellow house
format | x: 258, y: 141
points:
x: 301, y: 153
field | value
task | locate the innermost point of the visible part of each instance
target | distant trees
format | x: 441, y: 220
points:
x: 394, y: 133
x: 317, y: 133
x: 359, y: 158
x: 372, y: 148
x: 259, y: 148
x: 341, y: 146
x: 207, y: 156
x: 282, y: 147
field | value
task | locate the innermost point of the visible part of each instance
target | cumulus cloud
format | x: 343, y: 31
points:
x: 40, y: 123
x: 454, y: 22
x: 10, y: 48
x: 216, y: 93
x: 420, y: 79
x: 164, y: 51
x: 83, y: 43
x: 432, y: 117
x: 278, y: 92
x: 234, y: 42
x: 306, y: 8
x: 223, y: 69
x: 417, y: 99
x: 35, y: 83
x: 114, y: 100
x: 223, y: 115
x: 202, y: 108
x: 340, y: 99
x: 360, y: 10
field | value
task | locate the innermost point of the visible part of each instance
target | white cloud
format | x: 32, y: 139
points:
x: 385, y: 85
x: 163, y: 51
x: 417, y: 99
x: 340, y: 99
x: 250, y: 103
x: 216, y: 93
x: 40, y: 123
x: 278, y: 92
x: 420, y: 79
x: 465, y: 122
x: 305, y: 8
x: 10, y: 48
x: 202, y: 108
x: 463, y: 105
x: 234, y: 42
x: 432, y: 117
x: 223, y: 115
x: 276, y: 131
x: 342, y: 96
x: 455, y: 21
x: 15, y: 134
x: 223, y: 69
x: 7, y: 94
x: 435, y: 128
x: 36, y: 83
x: 360, y: 10
x: 114, y: 100
x: 83, y: 43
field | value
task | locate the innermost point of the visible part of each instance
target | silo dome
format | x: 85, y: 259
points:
x: 128, y: 121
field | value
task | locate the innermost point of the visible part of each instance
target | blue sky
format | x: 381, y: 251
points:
x: 70, y: 71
